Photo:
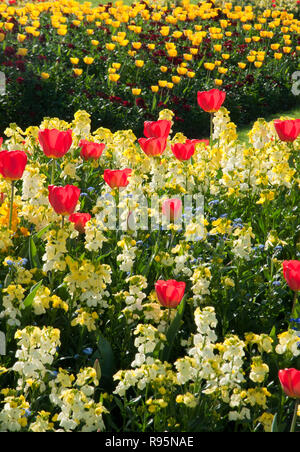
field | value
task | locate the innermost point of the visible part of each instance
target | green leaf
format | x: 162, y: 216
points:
x: 39, y: 234
x: 172, y: 332
x: 33, y: 255
x: 274, y: 428
x: 30, y: 297
x: 106, y: 360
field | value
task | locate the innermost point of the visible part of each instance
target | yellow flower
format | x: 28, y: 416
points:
x: 62, y: 31
x: 181, y: 70
x: 154, y: 88
x: 209, y: 66
x: 88, y: 60
x: 94, y: 42
x: 136, y: 45
x: 45, y: 75
x: 217, y: 47
x: 242, y: 65
x: 176, y: 79
x: 114, y: 77
x: 257, y: 64
x: 21, y: 37
x: 139, y: 63
x: 22, y: 51
x: 164, y: 31
x: 110, y: 46
x: 162, y: 83
x: 225, y: 56
x: 116, y: 66
x: 218, y: 82
x: 163, y: 68
x: 77, y: 71
x: 74, y: 60
x: 191, y: 74
x: 277, y: 56
x: 250, y: 58
x: 9, y: 26
x: 136, y: 91
x: 172, y: 53
x: 151, y: 46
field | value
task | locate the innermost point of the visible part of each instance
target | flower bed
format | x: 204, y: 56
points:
x: 176, y: 317
x: 123, y: 64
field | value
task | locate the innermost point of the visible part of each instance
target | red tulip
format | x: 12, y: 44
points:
x: 171, y: 208
x: 63, y: 199
x: 12, y: 164
x: 184, y: 151
x: 55, y: 144
x: 212, y: 100
x: 1, y: 141
x: 290, y: 382
x: 287, y: 130
x: 169, y: 293
x: 80, y: 220
x: 117, y: 178
x: 157, y: 129
x: 90, y: 150
x: 205, y: 141
x: 153, y: 146
x: 291, y: 273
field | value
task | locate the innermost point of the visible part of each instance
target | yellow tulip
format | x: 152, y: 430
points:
x: 22, y: 51
x: 218, y: 82
x: 139, y: 63
x: 114, y: 77
x: 136, y: 91
x: 154, y: 88
x: 77, y: 71
x: 74, y: 60
x: 45, y: 75
x: 110, y: 46
x: 176, y: 79
x: 21, y: 37
x: 88, y: 60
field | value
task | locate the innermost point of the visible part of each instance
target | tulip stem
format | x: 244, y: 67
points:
x: 52, y: 171
x: 293, y: 424
x: 294, y: 303
x: 62, y: 221
x: 169, y: 316
x: 11, y: 204
x: 211, y: 129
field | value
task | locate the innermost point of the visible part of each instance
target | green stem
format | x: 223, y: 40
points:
x: 62, y: 221
x: 294, y: 304
x: 52, y: 171
x: 211, y: 129
x: 11, y: 204
x: 293, y: 424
